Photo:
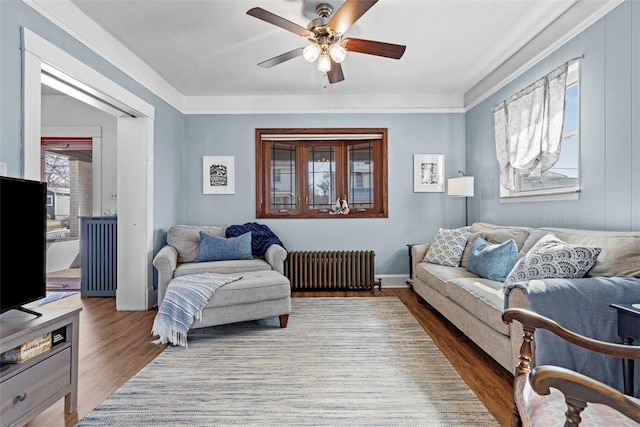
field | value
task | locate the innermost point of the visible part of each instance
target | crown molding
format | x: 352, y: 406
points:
x: 73, y: 21
x: 306, y: 104
x: 579, y: 17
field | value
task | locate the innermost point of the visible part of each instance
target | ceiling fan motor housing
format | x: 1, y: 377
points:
x: 323, y: 34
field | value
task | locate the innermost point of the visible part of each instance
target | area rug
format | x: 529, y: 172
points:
x: 340, y: 362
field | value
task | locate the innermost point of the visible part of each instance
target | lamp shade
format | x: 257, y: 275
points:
x: 460, y: 187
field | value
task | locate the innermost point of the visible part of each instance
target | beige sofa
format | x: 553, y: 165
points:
x: 475, y: 305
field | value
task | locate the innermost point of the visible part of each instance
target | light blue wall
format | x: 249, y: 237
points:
x: 413, y: 217
x: 610, y: 148
x: 168, y: 126
x: 610, y: 133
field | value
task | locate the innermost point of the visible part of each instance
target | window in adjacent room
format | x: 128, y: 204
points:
x: 301, y: 173
x: 557, y: 174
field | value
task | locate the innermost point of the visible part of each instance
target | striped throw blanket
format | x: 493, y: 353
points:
x: 183, y: 303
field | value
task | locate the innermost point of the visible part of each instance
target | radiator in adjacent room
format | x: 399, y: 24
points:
x: 98, y: 240
x: 331, y: 270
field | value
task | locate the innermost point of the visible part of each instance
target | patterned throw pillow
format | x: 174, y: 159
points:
x: 448, y: 246
x: 551, y: 258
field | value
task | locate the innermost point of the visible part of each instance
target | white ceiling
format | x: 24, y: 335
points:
x: 210, y: 48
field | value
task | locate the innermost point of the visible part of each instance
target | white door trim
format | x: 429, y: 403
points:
x: 137, y: 283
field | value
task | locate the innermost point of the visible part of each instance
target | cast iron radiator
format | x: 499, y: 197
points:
x: 331, y: 270
x: 98, y: 253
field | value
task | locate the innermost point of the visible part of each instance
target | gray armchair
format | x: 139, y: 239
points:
x: 177, y: 258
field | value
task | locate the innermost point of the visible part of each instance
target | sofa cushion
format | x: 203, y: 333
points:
x: 499, y: 233
x: 222, y: 267
x: 253, y: 287
x: 437, y: 275
x: 448, y: 246
x: 532, y: 239
x: 483, y: 298
x: 552, y: 258
x: 465, y: 254
x: 492, y: 261
x: 620, y: 249
x: 214, y: 248
x: 186, y: 239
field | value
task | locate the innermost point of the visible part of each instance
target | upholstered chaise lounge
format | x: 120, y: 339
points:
x: 262, y: 292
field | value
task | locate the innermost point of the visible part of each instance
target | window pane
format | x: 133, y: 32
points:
x: 361, y: 177
x: 567, y: 164
x: 283, y: 177
x: 571, y: 110
x: 563, y: 174
x: 322, y: 176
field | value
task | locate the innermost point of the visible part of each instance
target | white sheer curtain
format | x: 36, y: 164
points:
x: 528, y: 127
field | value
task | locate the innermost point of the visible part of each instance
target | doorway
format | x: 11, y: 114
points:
x: 67, y: 168
x: 44, y: 61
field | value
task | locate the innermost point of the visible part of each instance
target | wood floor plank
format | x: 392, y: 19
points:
x: 115, y: 345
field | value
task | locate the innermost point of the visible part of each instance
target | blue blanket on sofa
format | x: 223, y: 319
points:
x: 582, y: 306
x: 261, y: 236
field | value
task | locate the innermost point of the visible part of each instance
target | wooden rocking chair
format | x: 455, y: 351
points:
x: 576, y: 397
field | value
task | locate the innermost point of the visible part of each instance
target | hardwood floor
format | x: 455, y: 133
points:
x: 115, y: 345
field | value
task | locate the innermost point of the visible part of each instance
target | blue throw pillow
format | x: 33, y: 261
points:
x: 492, y: 261
x: 214, y: 248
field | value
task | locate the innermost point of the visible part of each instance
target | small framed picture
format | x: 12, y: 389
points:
x: 217, y: 175
x: 428, y: 173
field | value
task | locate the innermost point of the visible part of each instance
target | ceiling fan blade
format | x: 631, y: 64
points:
x: 335, y: 73
x: 370, y: 47
x: 281, y: 58
x: 349, y: 13
x: 278, y: 21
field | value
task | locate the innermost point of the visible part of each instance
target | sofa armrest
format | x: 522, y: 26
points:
x: 165, y: 261
x: 417, y: 254
x: 275, y: 256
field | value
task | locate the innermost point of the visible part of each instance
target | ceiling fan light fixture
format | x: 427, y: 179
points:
x: 324, y: 63
x: 337, y: 52
x: 311, y: 52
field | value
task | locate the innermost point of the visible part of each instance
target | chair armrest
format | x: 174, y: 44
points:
x: 531, y: 320
x: 165, y: 261
x: 417, y: 254
x: 579, y: 389
x: 275, y: 256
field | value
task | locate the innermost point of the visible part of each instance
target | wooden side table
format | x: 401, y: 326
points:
x: 30, y: 387
x: 628, y: 331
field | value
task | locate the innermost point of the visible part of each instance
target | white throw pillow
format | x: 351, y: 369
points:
x: 448, y: 246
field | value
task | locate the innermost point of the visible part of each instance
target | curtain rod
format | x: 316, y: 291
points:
x: 500, y: 104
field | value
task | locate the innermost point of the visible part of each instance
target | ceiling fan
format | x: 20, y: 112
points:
x: 325, y: 34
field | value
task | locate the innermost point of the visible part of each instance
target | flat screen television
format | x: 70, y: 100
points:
x: 23, y: 226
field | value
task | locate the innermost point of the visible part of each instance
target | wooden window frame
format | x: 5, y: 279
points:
x: 308, y: 138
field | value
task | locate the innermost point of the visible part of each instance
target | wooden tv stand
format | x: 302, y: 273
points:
x: 30, y: 387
